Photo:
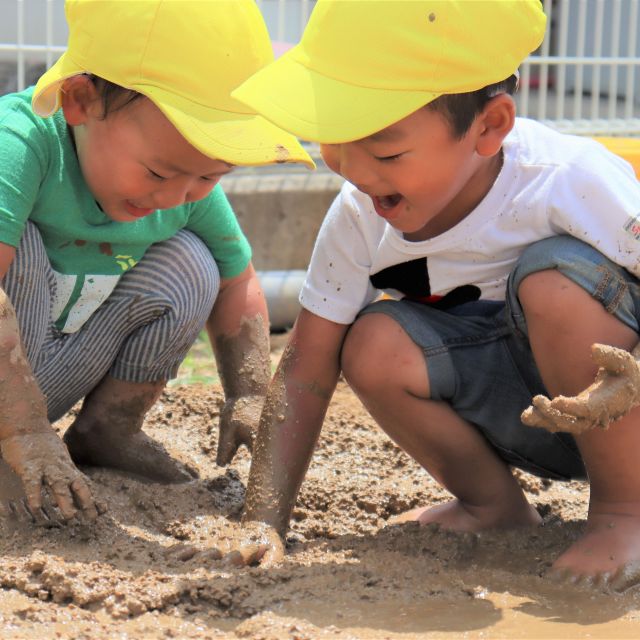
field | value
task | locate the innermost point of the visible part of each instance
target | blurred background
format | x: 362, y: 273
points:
x: 585, y: 78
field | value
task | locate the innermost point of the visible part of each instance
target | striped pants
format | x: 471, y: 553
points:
x: 141, y: 333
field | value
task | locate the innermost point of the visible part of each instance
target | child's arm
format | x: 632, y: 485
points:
x: 614, y: 393
x: 238, y: 329
x: 28, y: 443
x: 294, y: 410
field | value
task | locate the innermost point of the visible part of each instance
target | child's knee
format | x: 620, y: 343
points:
x: 359, y: 356
x: 378, y: 354
x: 546, y: 294
x: 198, y: 271
x: 183, y: 273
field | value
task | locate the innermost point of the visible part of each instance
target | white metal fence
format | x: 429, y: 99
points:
x: 585, y: 78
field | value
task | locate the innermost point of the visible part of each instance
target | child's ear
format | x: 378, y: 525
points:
x: 80, y: 99
x: 495, y: 121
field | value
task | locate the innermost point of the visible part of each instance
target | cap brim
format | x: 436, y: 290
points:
x: 235, y: 137
x: 46, y: 95
x: 239, y: 138
x: 317, y: 108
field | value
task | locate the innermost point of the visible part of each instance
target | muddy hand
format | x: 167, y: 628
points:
x: 41, y: 460
x: 255, y: 543
x: 238, y: 422
x: 615, y: 391
x: 13, y: 503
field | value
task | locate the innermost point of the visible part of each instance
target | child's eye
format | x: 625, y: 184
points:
x: 155, y: 175
x: 388, y: 158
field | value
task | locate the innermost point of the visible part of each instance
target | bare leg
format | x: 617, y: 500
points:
x: 609, y: 550
x: 107, y: 433
x: 387, y: 371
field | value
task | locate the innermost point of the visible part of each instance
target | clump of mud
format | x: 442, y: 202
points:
x: 151, y: 567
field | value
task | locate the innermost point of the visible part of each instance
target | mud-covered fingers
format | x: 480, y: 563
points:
x: 588, y: 582
x: 227, y: 448
x: 564, y: 420
x: 101, y: 506
x: 543, y: 414
x: 260, y: 543
x: 273, y: 555
x: 614, y: 360
x: 248, y: 554
x: 233, y: 433
x: 619, y: 581
x: 33, y: 488
x: 48, y: 516
x: 62, y: 496
x: 625, y: 578
x: 615, y: 391
x: 239, y: 421
x: 266, y: 549
x: 577, y: 406
x: 564, y: 575
x: 20, y: 510
x: 601, y: 582
x: 84, y: 499
x: 209, y: 555
x: 603, y: 407
x: 558, y: 576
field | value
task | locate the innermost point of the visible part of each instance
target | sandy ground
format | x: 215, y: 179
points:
x: 146, y: 569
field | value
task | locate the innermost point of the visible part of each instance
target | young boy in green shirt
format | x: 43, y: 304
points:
x: 117, y: 246
x: 509, y: 249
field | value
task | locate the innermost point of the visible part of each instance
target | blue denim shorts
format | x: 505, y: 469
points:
x: 480, y: 361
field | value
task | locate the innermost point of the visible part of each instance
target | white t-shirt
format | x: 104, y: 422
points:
x: 550, y: 184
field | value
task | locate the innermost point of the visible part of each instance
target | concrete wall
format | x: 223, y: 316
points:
x: 281, y: 212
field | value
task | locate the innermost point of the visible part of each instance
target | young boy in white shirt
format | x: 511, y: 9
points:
x: 509, y: 249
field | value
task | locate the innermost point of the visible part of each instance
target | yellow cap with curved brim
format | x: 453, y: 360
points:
x: 364, y: 64
x: 186, y: 56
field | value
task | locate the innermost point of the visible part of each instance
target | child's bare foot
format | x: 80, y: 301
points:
x: 135, y: 453
x: 458, y: 516
x: 606, y: 556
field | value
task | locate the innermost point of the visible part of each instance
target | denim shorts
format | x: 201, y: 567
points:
x: 480, y: 361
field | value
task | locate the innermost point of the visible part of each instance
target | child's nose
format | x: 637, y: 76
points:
x: 170, y: 195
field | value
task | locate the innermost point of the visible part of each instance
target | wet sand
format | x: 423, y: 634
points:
x: 147, y: 569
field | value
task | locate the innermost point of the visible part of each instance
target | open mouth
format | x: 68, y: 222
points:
x: 387, y: 206
x: 138, y: 212
x: 388, y: 202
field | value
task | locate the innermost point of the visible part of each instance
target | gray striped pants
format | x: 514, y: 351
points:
x: 141, y: 333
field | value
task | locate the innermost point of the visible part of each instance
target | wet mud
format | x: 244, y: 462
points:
x: 151, y: 567
x: 614, y: 392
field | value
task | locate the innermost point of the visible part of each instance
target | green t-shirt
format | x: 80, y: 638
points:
x: 41, y: 181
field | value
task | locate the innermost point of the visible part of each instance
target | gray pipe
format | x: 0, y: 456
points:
x: 281, y: 289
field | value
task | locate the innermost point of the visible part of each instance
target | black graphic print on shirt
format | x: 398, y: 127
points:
x: 412, y: 279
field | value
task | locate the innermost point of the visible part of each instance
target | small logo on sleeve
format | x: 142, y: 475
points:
x: 632, y: 226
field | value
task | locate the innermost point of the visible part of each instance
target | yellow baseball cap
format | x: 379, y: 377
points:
x: 184, y: 55
x: 364, y: 64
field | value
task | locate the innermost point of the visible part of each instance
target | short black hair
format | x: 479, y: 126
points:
x: 461, y: 109
x: 113, y: 96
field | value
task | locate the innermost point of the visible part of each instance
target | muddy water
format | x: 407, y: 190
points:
x: 150, y: 567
